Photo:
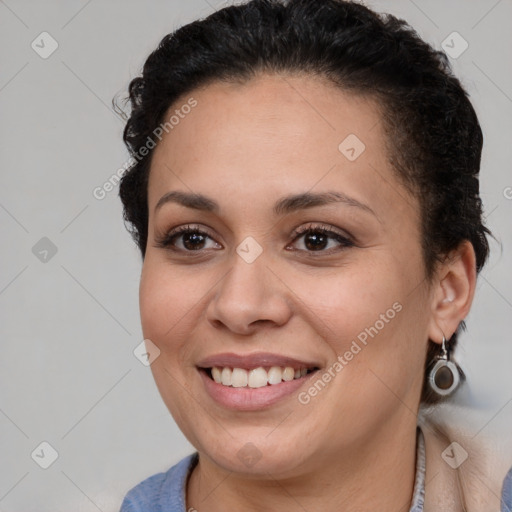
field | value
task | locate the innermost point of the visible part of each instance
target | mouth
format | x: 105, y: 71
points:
x: 255, y: 381
x: 259, y: 377
x: 254, y: 389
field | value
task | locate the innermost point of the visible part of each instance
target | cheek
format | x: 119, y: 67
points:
x: 362, y: 313
x: 344, y: 302
x: 369, y: 319
x: 168, y: 316
x: 166, y: 298
x: 155, y: 299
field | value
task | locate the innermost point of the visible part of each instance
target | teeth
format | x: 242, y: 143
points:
x: 226, y: 376
x: 217, y: 375
x: 275, y: 375
x: 239, y: 378
x: 256, y: 378
x: 288, y: 373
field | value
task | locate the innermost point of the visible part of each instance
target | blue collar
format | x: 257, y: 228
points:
x: 418, y: 495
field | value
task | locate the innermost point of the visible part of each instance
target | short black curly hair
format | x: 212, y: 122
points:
x: 434, y: 138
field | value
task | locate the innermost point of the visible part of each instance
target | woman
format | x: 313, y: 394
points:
x: 305, y: 196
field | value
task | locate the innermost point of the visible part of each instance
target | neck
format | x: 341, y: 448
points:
x: 377, y: 474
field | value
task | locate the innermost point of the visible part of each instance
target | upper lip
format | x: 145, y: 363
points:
x: 255, y: 360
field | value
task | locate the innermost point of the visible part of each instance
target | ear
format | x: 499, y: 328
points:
x: 453, y: 291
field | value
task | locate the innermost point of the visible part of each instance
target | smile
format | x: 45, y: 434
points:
x: 256, y: 377
x: 259, y: 388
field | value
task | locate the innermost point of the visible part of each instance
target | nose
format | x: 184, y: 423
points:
x: 249, y: 295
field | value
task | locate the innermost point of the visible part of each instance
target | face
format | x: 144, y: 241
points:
x: 304, y: 253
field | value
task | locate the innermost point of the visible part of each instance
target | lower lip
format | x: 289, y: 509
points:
x: 251, y: 399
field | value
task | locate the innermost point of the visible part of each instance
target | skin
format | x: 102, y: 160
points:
x: 246, y: 146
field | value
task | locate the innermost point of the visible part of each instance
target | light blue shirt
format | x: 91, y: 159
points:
x: 506, y: 493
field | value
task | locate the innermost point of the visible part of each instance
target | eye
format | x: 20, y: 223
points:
x: 321, y: 238
x: 192, y: 239
x: 317, y: 238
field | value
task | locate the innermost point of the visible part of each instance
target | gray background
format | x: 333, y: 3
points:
x: 69, y: 324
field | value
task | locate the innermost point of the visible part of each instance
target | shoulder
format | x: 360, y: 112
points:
x: 506, y: 493
x: 476, y: 466
x: 162, y: 491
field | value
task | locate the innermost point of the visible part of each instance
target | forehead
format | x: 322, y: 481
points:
x: 275, y: 135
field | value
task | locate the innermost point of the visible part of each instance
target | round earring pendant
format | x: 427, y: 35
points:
x: 444, y: 377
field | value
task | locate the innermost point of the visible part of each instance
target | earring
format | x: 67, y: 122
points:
x: 444, y: 378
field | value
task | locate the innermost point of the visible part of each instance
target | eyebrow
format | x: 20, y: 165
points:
x: 285, y: 205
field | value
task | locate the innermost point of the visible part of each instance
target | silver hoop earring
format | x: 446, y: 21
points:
x: 444, y: 378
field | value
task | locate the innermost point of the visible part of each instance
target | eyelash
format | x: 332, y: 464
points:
x: 167, y: 240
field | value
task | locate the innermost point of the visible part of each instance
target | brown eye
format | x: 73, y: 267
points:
x: 192, y: 239
x: 315, y: 241
x: 320, y: 239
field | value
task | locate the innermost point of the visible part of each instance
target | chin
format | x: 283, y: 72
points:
x: 258, y: 458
